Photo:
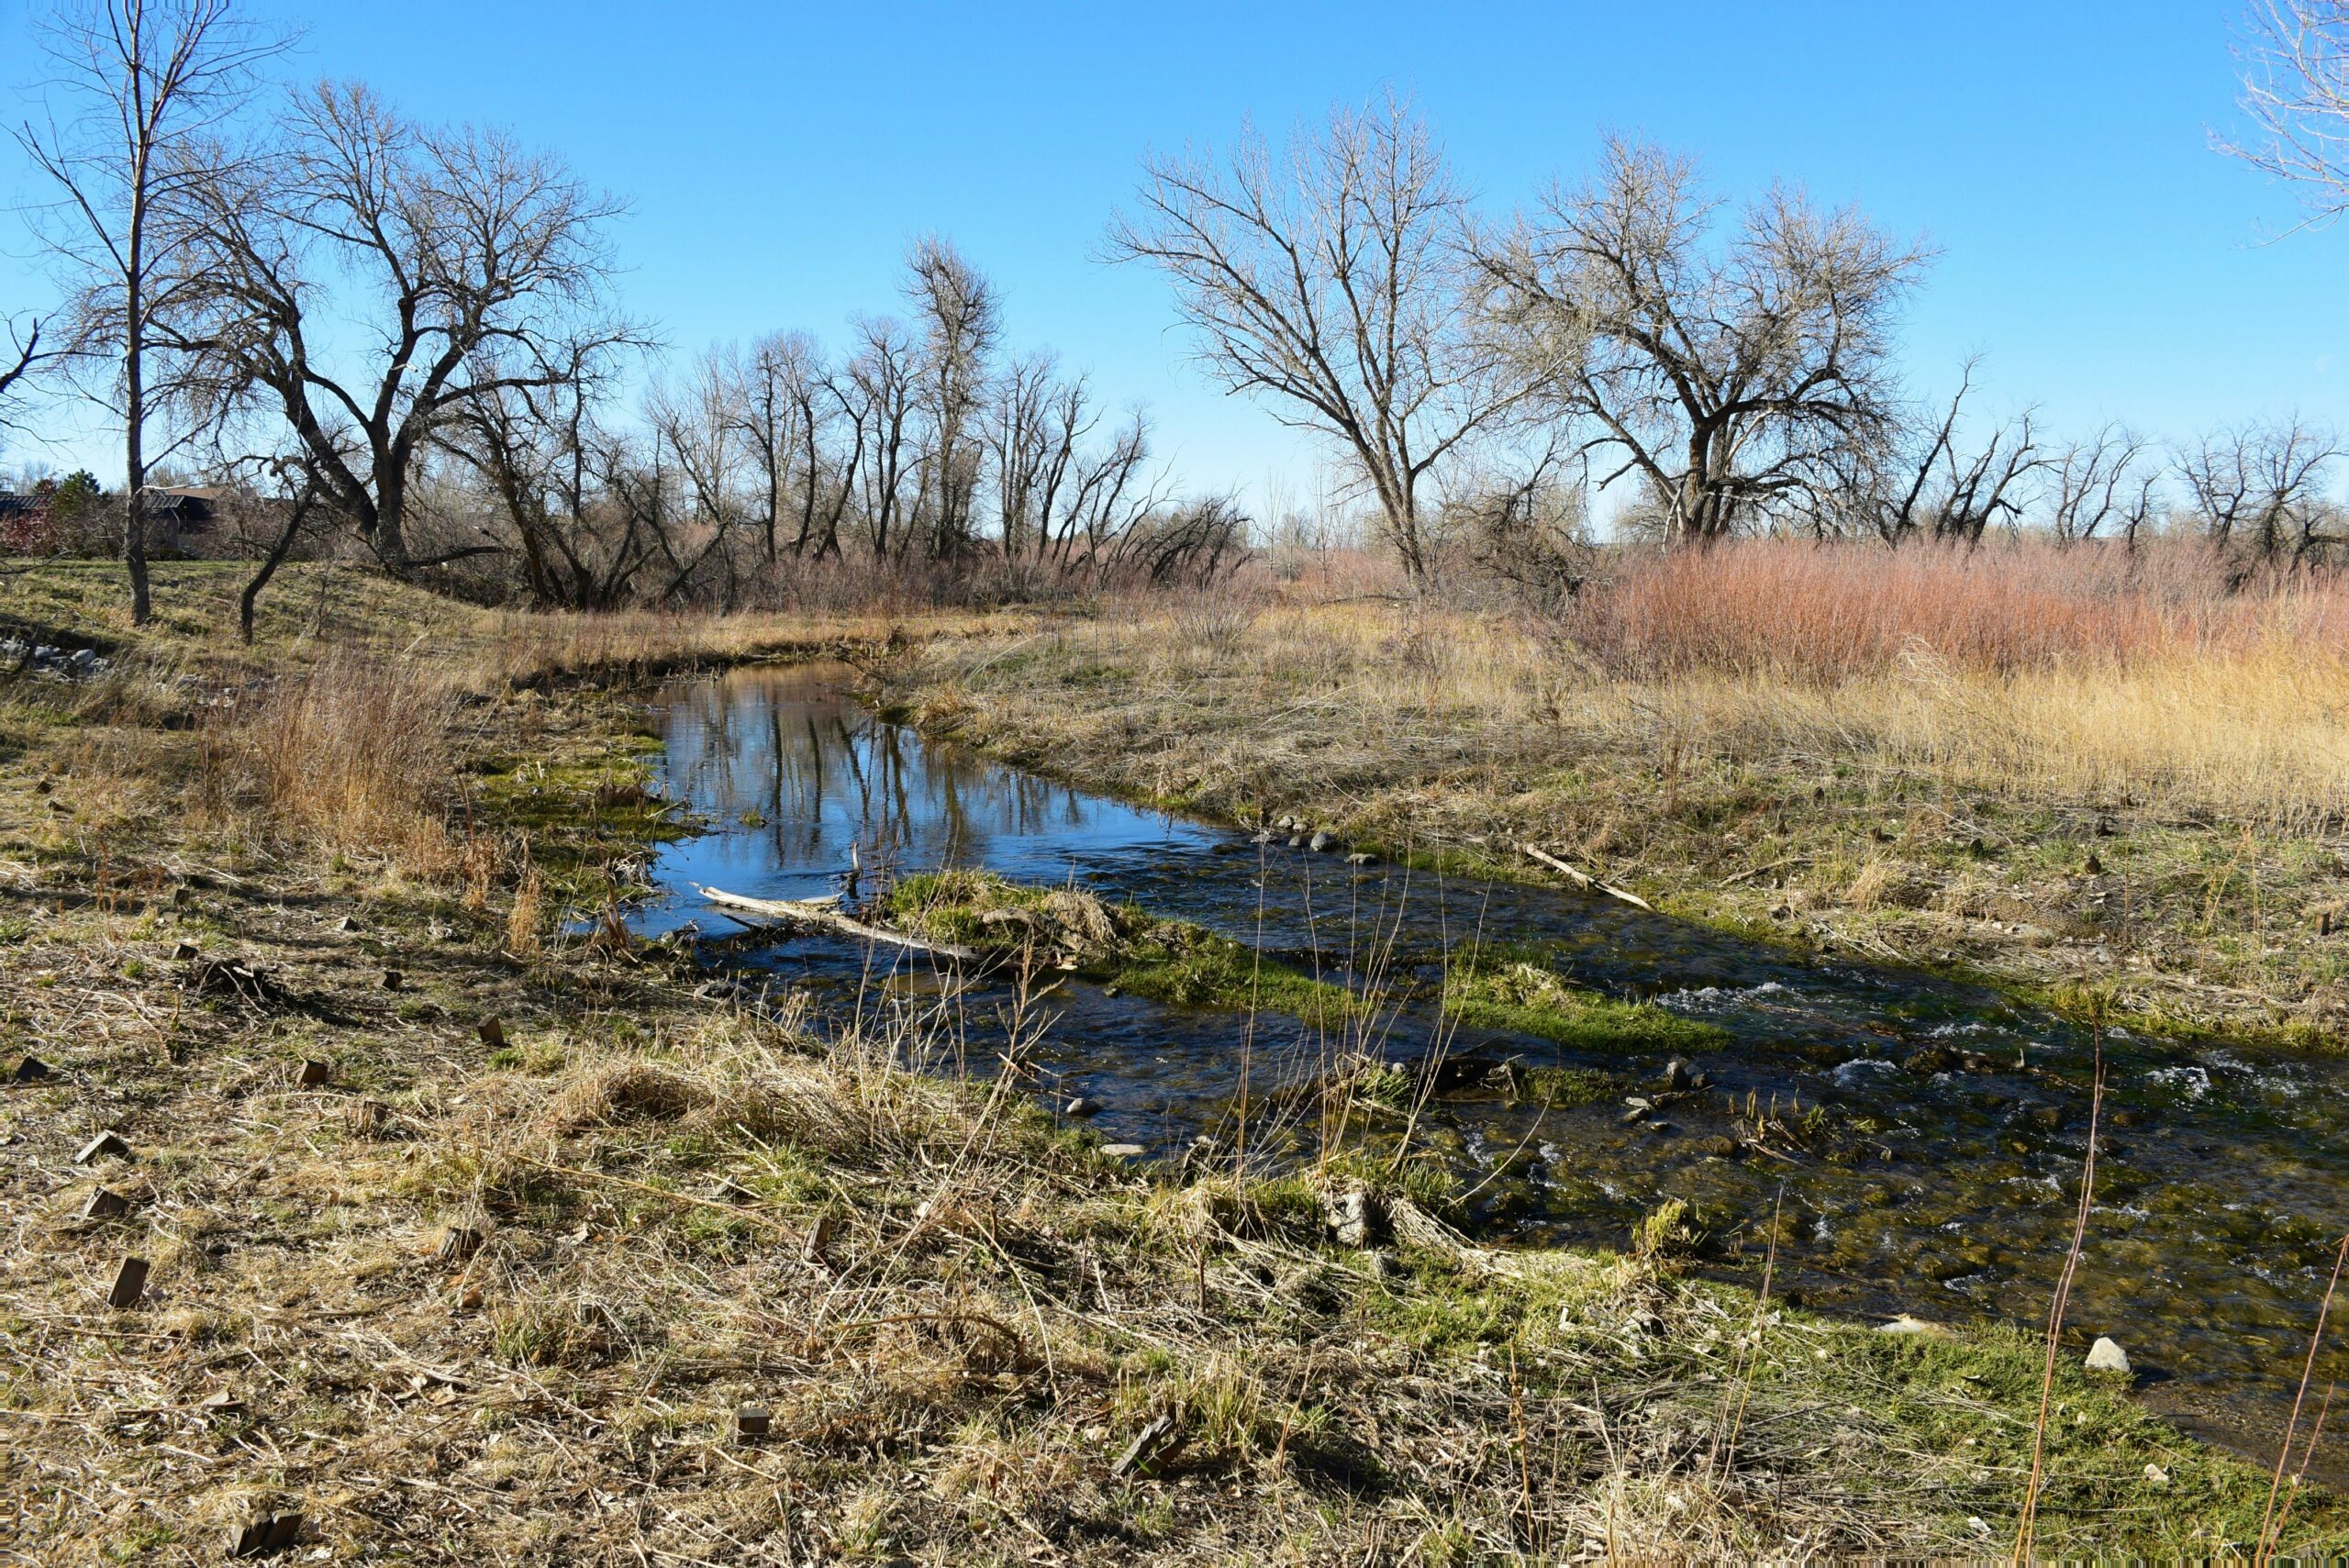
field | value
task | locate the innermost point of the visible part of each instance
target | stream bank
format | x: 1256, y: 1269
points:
x: 1921, y: 1138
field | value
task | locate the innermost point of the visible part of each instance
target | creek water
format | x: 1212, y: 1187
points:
x: 1921, y: 1141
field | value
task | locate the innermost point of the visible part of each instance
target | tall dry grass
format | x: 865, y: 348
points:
x: 1828, y: 612
x: 352, y: 754
x: 2072, y: 675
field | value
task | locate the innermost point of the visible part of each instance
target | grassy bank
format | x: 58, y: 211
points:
x: 505, y: 1283
x: 2133, y: 783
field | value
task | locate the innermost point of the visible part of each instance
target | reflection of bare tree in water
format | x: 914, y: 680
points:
x: 831, y: 780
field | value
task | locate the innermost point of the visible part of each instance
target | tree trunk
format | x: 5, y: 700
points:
x: 279, y: 549
x: 134, y: 411
x: 388, y: 535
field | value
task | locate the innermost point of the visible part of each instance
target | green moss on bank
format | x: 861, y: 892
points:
x: 1166, y: 960
x: 1505, y: 989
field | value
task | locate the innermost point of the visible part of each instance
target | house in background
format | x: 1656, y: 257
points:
x: 183, y: 516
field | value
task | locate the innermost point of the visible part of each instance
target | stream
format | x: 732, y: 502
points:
x: 1924, y: 1137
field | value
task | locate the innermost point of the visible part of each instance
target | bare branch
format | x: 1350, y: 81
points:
x: 2296, y: 90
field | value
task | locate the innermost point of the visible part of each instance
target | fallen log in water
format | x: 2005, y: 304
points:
x: 1584, y: 878
x: 820, y: 912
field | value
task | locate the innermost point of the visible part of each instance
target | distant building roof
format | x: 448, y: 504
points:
x: 183, y: 505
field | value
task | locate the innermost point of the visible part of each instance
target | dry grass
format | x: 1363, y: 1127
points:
x: 351, y: 755
x: 957, y: 1313
x: 2257, y: 731
x: 1809, y: 613
x: 956, y: 1318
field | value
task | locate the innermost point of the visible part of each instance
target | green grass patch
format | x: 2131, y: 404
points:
x: 1505, y: 989
x: 1166, y: 960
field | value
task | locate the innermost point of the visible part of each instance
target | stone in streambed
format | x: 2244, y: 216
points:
x: 2107, y: 1356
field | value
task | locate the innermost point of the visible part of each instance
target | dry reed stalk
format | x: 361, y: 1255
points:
x: 2029, y: 1517
x: 1751, y: 1360
x: 353, y: 752
x: 526, y: 922
x: 2299, y: 1476
x: 2291, y: 1429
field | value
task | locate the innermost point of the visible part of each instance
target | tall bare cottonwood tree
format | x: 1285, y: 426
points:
x: 1723, y: 370
x: 2102, y: 481
x: 2261, y: 487
x: 1929, y: 477
x: 1328, y: 282
x: 371, y: 277
x: 960, y: 316
x: 144, y: 80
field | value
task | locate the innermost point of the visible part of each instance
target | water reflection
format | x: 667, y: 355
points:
x: 809, y: 789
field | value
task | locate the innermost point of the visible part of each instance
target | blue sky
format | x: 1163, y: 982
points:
x: 778, y: 157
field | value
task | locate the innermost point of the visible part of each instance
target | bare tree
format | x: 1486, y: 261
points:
x: 146, y: 79
x: 1064, y: 500
x: 1188, y: 544
x: 959, y: 317
x: 696, y: 425
x: 775, y: 411
x: 2102, y: 481
x: 289, y: 505
x: 881, y: 397
x: 1723, y: 372
x: 1927, y: 476
x: 1330, y: 282
x: 2296, y: 90
x: 474, y: 266
x: 2261, y: 486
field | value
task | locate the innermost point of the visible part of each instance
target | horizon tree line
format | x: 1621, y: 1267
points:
x: 409, y: 334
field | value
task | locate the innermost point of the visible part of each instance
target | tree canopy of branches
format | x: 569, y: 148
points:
x: 2262, y: 487
x: 1330, y: 282
x: 146, y: 80
x: 474, y: 267
x: 1725, y: 371
x: 2296, y: 90
x: 1930, y: 482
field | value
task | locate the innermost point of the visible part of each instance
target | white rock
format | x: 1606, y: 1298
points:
x: 2107, y: 1356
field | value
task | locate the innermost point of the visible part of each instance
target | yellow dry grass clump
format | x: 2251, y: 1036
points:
x: 352, y: 752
